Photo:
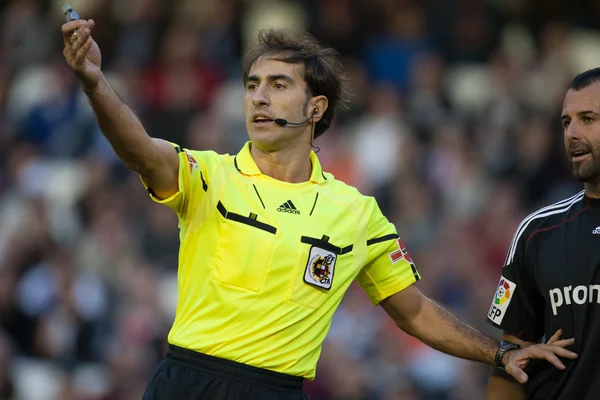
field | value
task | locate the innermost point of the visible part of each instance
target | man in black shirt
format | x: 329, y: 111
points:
x: 551, y: 277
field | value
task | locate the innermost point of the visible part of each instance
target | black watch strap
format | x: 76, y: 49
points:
x: 504, y: 347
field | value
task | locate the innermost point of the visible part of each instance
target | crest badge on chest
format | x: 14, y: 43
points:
x: 320, y: 268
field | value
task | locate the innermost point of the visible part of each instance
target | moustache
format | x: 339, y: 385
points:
x: 576, y: 149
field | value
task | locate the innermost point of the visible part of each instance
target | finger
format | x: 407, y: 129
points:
x: 543, y: 353
x: 84, y: 32
x: 74, y: 34
x: 82, y: 53
x: 556, y: 336
x: 563, y: 343
x: 559, y: 351
x: 552, y: 359
x: 82, y: 36
x: 69, y: 27
x: 517, y: 373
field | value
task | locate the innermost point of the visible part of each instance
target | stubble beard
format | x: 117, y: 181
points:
x: 587, y: 171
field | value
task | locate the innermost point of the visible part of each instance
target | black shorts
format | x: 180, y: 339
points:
x: 188, y: 375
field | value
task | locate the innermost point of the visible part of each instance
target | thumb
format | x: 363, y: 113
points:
x: 518, y: 374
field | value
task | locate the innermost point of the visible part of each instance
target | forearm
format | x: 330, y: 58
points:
x: 419, y: 316
x: 502, y: 386
x: 121, y: 127
x: 439, y: 329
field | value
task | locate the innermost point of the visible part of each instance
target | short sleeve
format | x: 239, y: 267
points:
x: 517, y: 306
x: 193, y: 179
x: 388, y: 268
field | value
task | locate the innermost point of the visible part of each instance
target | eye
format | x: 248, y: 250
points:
x: 566, y: 123
x: 279, y: 86
x: 586, y: 120
x: 251, y: 86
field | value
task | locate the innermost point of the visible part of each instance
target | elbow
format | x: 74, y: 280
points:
x: 407, y: 327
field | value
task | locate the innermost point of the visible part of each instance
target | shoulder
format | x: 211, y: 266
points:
x: 545, y: 218
x: 552, y: 214
x: 342, y: 192
x: 209, y: 158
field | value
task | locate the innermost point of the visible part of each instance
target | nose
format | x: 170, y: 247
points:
x: 572, y: 132
x: 260, y: 96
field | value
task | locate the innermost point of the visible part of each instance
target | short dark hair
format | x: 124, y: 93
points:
x: 323, y: 68
x: 585, y: 79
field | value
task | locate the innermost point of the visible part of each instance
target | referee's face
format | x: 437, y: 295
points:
x: 275, y: 89
x: 581, y: 124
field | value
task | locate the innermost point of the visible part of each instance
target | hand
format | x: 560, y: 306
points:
x: 516, y: 361
x: 82, y: 52
x: 555, y: 337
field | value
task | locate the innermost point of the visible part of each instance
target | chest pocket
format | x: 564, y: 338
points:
x: 322, y: 268
x: 244, y: 250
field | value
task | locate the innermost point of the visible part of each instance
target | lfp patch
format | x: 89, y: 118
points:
x: 504, y: 294
x: 320, y: 267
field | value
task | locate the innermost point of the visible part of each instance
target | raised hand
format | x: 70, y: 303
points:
x: 82, y: 52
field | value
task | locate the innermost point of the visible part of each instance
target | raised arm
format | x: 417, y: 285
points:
x: 422, y: 318
x: 154, y: 159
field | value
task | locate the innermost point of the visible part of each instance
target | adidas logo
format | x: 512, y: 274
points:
x: 596, y: 231
x: 288, y: 207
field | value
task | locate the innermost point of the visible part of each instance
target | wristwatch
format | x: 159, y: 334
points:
x: 504, y: 347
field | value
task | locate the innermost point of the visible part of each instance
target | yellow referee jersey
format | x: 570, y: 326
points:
x: 263, y: 264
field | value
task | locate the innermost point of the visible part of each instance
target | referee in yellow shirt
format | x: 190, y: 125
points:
x: 269, y: 241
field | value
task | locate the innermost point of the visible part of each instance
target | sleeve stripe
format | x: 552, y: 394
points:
x: 204, y: 185
x: 415, y: 272
x: 556, y: 208
x: 382, y: 239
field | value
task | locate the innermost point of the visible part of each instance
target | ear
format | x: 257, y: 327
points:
x: 318, y: 105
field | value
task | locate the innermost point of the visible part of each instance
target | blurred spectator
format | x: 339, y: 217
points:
x: 7, y: 387
x: 390, y: 55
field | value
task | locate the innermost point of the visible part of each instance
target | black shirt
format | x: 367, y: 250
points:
x: 551, y: 281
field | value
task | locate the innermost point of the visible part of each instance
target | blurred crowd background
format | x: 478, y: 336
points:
x: 454, y: 127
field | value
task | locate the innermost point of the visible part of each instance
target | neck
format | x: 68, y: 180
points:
x: 290, y: 164
x: 592, y: 190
